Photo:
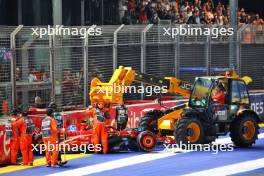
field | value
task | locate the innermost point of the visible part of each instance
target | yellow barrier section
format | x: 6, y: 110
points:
x: 39, y: 162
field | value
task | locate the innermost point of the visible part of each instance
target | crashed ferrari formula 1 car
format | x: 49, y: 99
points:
x: 77, y: 132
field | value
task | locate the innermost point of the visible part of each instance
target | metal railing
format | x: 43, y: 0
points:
x: 35, y: 71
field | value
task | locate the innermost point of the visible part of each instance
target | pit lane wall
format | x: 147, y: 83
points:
x: 135, y: 111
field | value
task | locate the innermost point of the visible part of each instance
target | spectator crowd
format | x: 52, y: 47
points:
x: 182, y: 12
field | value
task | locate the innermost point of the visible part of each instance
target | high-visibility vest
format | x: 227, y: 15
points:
x: 100, y: 116
x: 121, y: 114
x: 8, y: 129
x: 58, y: 117
x: 46, y: 127
x: 30, y: 126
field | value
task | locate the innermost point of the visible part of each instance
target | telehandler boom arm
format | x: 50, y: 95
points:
x: 124, y: 77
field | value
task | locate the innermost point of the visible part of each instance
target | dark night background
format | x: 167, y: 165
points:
x: 256, y: 6
x: 39, y: 12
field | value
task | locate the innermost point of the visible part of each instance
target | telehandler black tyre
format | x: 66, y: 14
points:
x: 189, y: 130
x: 244, y: 130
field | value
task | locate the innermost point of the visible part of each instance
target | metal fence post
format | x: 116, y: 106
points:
x: 238, y: 49
x: 208, y: 55
x: 143, y: 52
x: 102, y: 12
x: 85, y: 72
x: 57, y: 12
x: 19, y: 12
x: 143, y: 48
x: 51, y: 59
x: 115, y: 47
x: 233, y: 39
x: 177, y: 56
x: 13, y: 63
x: 82, y: 12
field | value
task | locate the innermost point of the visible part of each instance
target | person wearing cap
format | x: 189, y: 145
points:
x: 121, y: 116
x: 219, y: 94
x: 100, y: 135
x: 50, y: 138
x: 59, y: 119
x: 12, y: 132
x: 53, y: 106
x: 27, y: 127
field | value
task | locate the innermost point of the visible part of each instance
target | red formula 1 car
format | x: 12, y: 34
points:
x: 77, y: 134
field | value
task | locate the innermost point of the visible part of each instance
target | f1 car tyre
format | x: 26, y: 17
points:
x: 244, y: 130
x: 146, y: 141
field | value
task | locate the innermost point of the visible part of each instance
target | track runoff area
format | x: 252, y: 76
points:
x: 240, y: 161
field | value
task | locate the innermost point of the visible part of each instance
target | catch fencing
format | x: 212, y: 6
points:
x: 35, y: 71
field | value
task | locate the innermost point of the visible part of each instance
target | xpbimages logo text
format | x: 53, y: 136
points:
x: 60, y: 30
x: 214, y: 148
x: 188, y: 30
x: 50, y: 147
x: 117, y: 89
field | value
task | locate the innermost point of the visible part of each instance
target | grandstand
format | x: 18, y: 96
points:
x: 106, y: 12
x: 184, y: 11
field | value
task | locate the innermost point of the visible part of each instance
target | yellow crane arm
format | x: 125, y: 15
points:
x: 123, y: 76
x: 112, y: 92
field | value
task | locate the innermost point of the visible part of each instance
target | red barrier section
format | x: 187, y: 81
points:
x: 134, y: 114
x: 4, y: 147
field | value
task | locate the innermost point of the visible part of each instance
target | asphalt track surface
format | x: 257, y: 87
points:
x: 237, y: 162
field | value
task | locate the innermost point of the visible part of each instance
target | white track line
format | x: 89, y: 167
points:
x: 228, y: 140
x: 232, y: 169
x: 115, y: 164
x: 110, y: 165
